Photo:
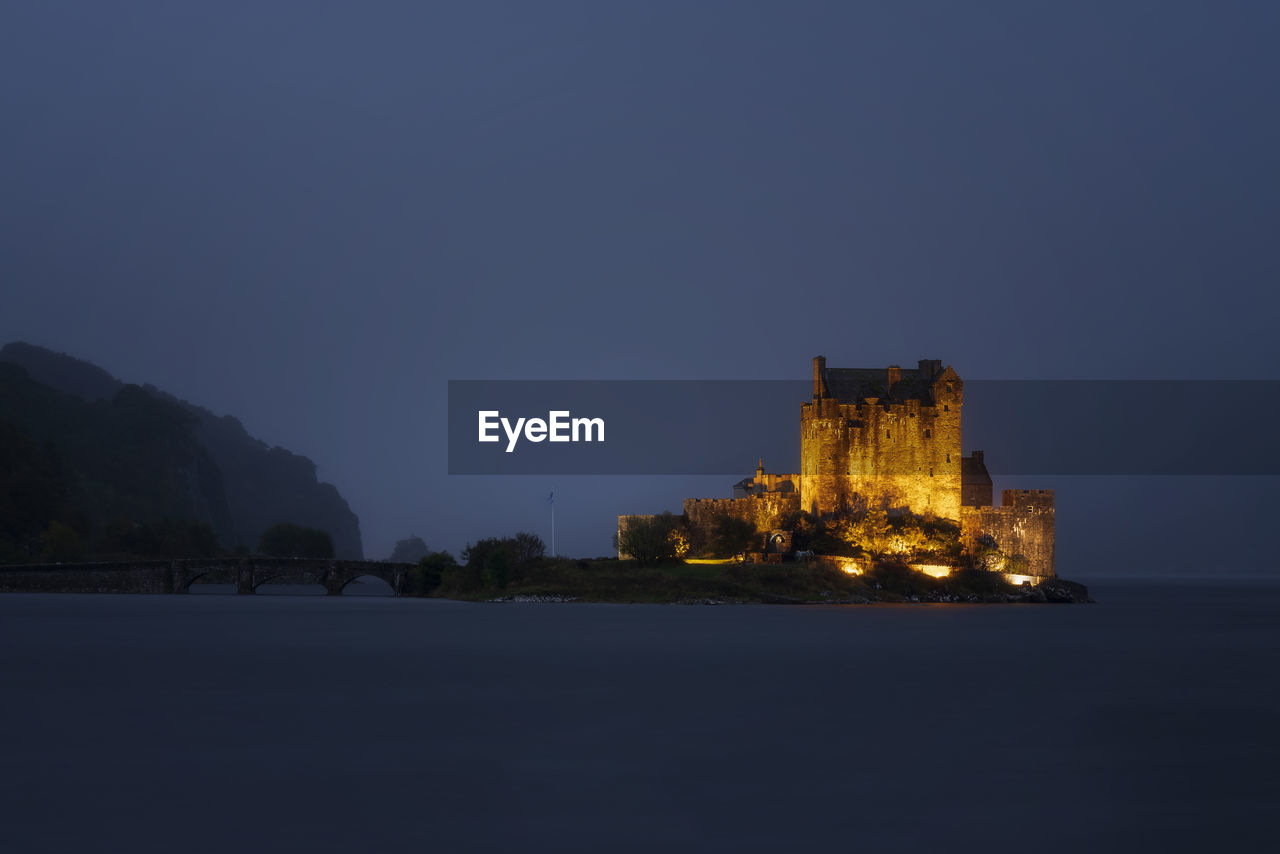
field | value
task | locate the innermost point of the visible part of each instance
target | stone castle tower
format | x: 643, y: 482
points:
x: 882, y: 437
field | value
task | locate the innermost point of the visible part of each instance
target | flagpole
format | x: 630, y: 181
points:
x: 553, y: 524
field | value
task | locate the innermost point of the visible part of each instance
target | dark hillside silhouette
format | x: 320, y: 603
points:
x: 257, y: 484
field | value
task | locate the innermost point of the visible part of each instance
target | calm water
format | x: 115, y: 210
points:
x: 1147, y: 722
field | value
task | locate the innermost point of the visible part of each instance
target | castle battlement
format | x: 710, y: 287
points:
x: 1031, y: 500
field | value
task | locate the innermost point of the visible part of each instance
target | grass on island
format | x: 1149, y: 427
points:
x: 612, y: 580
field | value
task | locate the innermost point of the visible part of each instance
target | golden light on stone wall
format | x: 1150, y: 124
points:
x: 937, y: 570
x: 879, y: 445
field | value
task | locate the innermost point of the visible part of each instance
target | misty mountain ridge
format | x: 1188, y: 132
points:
x: 202, y: 466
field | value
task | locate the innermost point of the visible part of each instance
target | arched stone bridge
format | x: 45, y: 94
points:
x: 177, y: 576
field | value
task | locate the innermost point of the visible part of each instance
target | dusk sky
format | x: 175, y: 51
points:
x: 314, y: 215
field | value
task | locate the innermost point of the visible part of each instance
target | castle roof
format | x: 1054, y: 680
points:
x: 852, y: 385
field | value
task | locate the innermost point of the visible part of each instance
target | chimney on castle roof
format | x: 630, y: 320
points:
x: 819, y: 377
x: 895, y: 377
x: 930, y: 368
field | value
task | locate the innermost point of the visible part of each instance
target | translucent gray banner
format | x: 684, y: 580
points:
x: 698, y: 427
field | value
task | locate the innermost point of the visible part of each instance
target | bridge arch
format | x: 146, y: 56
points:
x: 245, y: 573
x: 383, y: 587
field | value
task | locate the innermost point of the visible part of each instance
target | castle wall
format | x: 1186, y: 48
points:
x: 1023, y: 524
x: 766, y: 483
x: 976, y: 494
x: 774, y: 482
x: 767, y: 511
x: 902, y: 455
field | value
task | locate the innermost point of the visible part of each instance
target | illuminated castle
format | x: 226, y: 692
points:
x: 889, y: 438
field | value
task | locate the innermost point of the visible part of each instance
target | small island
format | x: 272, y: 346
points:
x: 886, y: 508
x: 885, y: 496
x: 503, y: 570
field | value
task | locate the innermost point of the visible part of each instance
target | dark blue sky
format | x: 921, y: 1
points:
x: 313, y: 215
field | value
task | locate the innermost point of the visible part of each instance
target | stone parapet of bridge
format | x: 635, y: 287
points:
x: 177, y: 576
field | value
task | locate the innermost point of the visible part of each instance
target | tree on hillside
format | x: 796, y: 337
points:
x: 285, y: 539
x: 431, y: 570
x: 34, y: 491
x: 172, y: 538
x: 526, y: 547
x: 409, y: 550
x: 497, y: 569
x: 520, y: 549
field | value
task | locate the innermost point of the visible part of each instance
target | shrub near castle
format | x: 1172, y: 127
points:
x: 876, y: 534
x: 652, y: 539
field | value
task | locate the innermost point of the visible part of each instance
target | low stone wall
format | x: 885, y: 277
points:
x: 1023, y: 524
x: 767, y: 511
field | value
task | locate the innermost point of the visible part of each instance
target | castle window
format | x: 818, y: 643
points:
x: 948, y: 458
x: 930, y: 472
x: 946, y: 408
x: 886, y: 434
x: 927, y: 434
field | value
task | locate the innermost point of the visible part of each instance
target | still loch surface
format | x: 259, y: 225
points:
x: 1146, y: 722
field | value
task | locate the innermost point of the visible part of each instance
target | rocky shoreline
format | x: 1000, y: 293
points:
x: 1054, y: 591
